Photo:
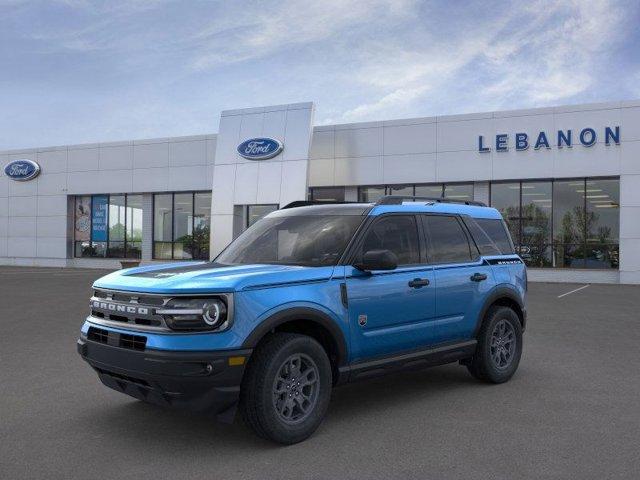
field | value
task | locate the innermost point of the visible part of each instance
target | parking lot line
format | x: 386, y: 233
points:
x: 573, y: 291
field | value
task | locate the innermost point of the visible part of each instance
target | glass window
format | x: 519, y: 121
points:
x: 201, y: 225
x: 459, y: 191
x: 406, y: 190
x: 505, y: 197
x: 602, y: 223
x: 568, y: 211
x: 314, y: 240
x: 163, y: 226
x: 563, y: 223
x: 448, y: 241
x: 327, y: 194
x: 256, y: 212
x: 497, y: 233
x: 396, y: 233
x: 134, y: 226
x: 370, y: 194
x: 434, y: 191
x: 108, y: 226
x: 569, y: 223
x: 182, y: 225
x: 82, y: 226
x: 535, y: 243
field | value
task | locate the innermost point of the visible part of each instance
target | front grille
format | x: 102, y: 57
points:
x: 128, y: 308
x: 134, y: 342
x: 98, y: 335
x: 122, y: 340
x: 129, y: 297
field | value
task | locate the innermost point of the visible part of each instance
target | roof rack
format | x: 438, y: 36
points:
x: 307, y: 203
x: 398, y: 199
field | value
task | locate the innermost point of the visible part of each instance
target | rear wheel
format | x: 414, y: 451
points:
x: 286, y: 390
x: 499, y: 346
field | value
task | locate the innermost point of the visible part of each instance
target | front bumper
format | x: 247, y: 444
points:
x: 199, y: 381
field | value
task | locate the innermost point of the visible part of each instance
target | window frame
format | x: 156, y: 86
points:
x: 388, y: 188
x: 248, y: 207
x: 314, y: 190
x: 173, y: 211
x: 558, y: 245
x: 353, y: 249
x: 471, y: 243
x: 125, y: 239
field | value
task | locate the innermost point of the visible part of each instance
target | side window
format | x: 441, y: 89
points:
x: 448, y: 241
x: 497, y: 232
x: 396, y: 233
x: 485, y: 244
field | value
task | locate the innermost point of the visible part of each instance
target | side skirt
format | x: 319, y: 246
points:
x: 412, y: 360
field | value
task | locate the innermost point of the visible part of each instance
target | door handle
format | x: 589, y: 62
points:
x: 418, y: 282
x: 478, y: 277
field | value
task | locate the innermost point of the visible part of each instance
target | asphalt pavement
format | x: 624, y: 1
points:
x: 571, y: 411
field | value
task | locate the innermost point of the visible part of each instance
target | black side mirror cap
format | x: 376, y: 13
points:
x: 377, y: 260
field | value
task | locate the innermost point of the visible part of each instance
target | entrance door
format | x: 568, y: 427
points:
x: 392, y: 310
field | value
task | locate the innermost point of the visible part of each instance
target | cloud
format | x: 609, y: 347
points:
x: 96, y: 71
x: 536, y: 54
x: 555, y: 57
x: 247, y: 33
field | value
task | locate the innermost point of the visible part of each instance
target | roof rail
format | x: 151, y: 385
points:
x: 307, y: 203
x: 398, y: 199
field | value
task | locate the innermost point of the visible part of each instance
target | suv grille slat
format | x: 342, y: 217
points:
x: 134, y: 342
x: 128, y: 308
x: 98, y: 335
x: 123, y: 340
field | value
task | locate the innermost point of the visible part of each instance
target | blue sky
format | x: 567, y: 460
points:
x: 77, y: 71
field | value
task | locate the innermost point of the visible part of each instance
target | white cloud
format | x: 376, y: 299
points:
x: 555, y: 56
x: 246, y: 33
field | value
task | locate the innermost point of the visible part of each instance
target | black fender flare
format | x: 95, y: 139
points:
x: 499, y: 293
x: 300, y: 313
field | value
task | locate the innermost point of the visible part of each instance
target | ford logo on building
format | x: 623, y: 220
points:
x: 260, y: 148
x: 22, y: 170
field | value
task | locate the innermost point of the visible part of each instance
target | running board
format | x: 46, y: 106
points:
x: 412, y: 360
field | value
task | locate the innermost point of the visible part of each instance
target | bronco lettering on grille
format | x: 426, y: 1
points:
x: 114, y: 307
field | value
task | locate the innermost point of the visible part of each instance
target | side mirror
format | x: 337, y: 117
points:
x: 377, y: 260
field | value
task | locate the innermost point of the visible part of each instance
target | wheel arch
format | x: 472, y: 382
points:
x: 306, y: 321
x: 503, y: 296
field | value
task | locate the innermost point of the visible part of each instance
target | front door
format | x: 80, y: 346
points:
x: 393, y: 310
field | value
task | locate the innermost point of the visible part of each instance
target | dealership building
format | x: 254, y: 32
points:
x: 566, y: 179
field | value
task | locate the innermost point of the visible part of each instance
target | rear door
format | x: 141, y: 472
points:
x: 391, y: 311
x: 462, y: 278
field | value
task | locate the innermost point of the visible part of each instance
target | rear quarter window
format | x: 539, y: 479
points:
x: 497, y: 233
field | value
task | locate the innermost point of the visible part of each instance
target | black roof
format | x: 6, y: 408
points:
x: 319, y: 208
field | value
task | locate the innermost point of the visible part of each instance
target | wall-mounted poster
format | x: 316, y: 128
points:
x: 99, y: 220
x: 83, y: 219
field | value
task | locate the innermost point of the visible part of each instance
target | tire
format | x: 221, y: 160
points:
x: 495, y: 360
x: 271, y: 401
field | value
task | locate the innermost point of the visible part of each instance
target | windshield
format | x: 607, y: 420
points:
x: 312, y: 240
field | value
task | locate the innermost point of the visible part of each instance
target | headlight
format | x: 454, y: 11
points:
x: 196, y: 314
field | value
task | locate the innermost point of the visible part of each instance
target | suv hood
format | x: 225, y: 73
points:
x: 207, y: 277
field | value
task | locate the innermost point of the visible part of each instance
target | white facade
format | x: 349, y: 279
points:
x: 36, y: 225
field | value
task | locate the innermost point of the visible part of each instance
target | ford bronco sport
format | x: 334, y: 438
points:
x: 308, y: 298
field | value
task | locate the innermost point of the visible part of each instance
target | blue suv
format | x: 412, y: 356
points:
x: 310, y: 297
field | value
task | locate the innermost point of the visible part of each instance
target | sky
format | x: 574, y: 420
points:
x: 77, y: 71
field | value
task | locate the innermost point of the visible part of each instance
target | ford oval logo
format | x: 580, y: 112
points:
x: 260, y: 148
x: 22, y: 170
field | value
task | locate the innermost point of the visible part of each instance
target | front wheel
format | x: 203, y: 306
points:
x: 499, y: 346
x: 286, y: 390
